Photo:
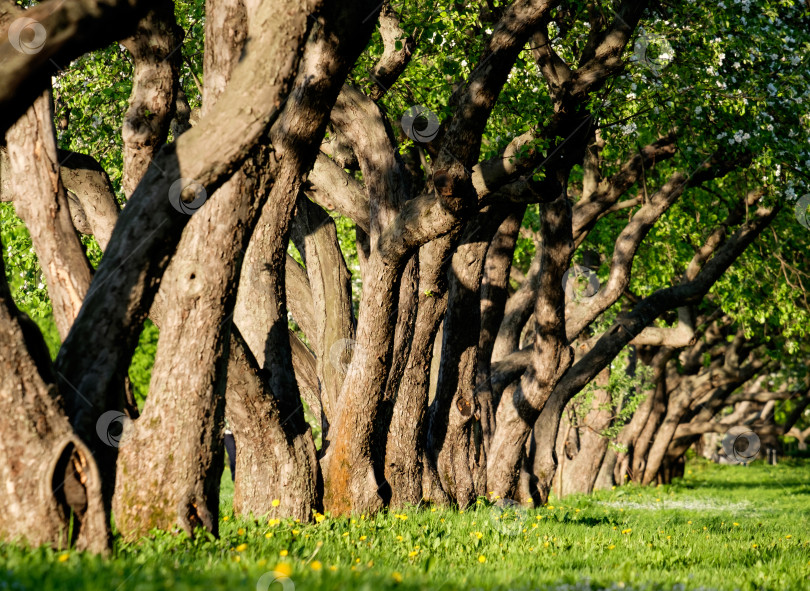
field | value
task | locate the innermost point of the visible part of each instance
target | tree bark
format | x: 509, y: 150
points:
x: 157, y: 58
x: 41, y: 203
x: 51, y: 482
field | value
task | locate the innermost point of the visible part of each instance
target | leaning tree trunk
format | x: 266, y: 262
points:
x: 52, y: 487
x: 41, y: 202
x: 551, y: 357
x: 578, y: 475
x: 455, y: 432
x: 183, y: 417
x: 333, y: 46
x: 405, y: 461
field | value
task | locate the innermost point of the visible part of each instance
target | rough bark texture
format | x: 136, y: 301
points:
x: 457, y: 416
x: 332, y: 332
x: 157, y: 57
x: 405, y: 449
x: 49, y: 476
x: 551, y: 354
x: 331, y: 50
x: 71, y: 28
x: 276, y: 457
x: 149, y: 228
x: 578, y: 474
x: 41, y: 202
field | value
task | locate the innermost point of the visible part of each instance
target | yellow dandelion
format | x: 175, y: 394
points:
x: 545, y: 544
x: 399, y: 538
x: 283, y: 568
x: 268, y: 535
x: 479, y: 535
x: 283, y: 553
x: 319, y: 517
x: 225, y: 518
x: 611, y: 547
x: 63, y: 557
x: 362, y: 538
x: 241, y: 531
x: 482, y: 559
x: 787, y: 537
x: 333, y: 568
x: 753, y: 545
x: 432, y: 510
x: 397, y: 576
x: 689, y: 522
x: 413, y: 553
x: 241, y: 547
x: 275, y: 502
x: 627, y: 531
x: 295, y: 532
x: 315, y: 565
x: 345, y: 534
x: 735, y: 524
x: 273, y: 522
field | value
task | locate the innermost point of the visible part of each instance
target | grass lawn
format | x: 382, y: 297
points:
x: 721, y: 527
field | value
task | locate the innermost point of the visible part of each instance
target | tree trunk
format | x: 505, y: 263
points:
x: 40, y: 201
x: 315, y: 236
x: 551, y: 355
x: 157, y: 59
x: 275, y: 455
x: 52, y: 486
x: 405, y: 462
x: 455, y: 432
x: 578, y: 475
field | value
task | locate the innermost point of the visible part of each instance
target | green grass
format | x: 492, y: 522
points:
x: 721, y: 527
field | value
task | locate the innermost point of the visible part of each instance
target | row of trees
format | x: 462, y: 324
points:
x: 554, y: 266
